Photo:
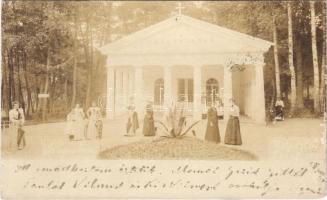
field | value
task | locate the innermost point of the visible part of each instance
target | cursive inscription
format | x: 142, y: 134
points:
x: 210, y: 180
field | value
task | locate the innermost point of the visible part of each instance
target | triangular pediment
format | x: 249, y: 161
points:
x: 185, y: 35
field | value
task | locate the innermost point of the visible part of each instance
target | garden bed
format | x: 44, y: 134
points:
x: 176, y: 148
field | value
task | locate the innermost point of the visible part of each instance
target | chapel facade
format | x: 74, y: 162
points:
x: 183, y: 59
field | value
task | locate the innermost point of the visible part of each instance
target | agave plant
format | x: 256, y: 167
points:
x: 175, y: 122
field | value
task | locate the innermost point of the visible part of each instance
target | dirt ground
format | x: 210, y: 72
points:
x: 291, y: 139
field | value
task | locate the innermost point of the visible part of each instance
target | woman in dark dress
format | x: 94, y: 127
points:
x: 233, y: 131
x: 212, y: 132
x: 279, y: 109
x: 148, y: 125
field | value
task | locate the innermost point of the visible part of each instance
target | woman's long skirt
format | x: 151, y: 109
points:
x: 78, y: 129
x: 233, y: 131
x: 91, y: 129
x: 212, y: 132
x: 148, y: 126
x: 279, y: 111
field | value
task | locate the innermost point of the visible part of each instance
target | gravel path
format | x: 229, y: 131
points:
x: 296, y: 139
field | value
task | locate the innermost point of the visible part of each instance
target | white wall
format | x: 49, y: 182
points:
x: 243, y: 90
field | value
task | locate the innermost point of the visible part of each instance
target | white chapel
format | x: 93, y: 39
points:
x: 189, y: 60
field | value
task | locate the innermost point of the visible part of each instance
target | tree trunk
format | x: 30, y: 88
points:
x: 66, y: 93
x: 299, y: 74
x: 272, y: 102
x: 314, y: 58
x: 277, y: 74
x: 75, y: 65
x: 52, y: 93
x: 44, y: 101
x: 29, y: 96
x: 11, y: 96
x: 37, y: 92
x: 5, y: 86
x: 91, y: 64
x: 87, y: 51
x: 290, y: 57
x: 322, y: 88
x: 10, y: 76
x: 20, y: 90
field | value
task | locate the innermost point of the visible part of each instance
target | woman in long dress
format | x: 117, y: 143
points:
x: 279, y: 109
x: 132, y: 122
x: 212, y: 132
x: 93, y: 114
x: 233, y: 131
x: 148, y: 125
x: 17, y: 120
x: 77, y: 118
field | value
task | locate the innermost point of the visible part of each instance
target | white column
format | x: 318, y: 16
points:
x: 138, y: 97
x: 228, y: 91
x: 119, y: 92
x: 131, y: 83
x: 167, y: 86
x: 197, y: 104
x: 110, y: 108
x: 125, y: 88
x: 259, y: 107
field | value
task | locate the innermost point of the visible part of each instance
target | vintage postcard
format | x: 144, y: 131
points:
x: 163, y: 99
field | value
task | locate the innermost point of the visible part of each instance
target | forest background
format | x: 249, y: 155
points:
x: 50, y: 47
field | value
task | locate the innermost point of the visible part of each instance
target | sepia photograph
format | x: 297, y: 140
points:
x: 169, y: 82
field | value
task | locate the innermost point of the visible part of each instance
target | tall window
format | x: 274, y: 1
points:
x: 185, y: 90
x: 159, y: 92
x: 181, y: 90
x: 212, y: 91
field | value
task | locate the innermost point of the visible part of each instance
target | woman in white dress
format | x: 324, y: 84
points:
x: 93, y: 114
x: 77, y: 122
x: 17, y: 120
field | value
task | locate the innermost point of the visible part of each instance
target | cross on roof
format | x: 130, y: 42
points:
x: 180, y: 8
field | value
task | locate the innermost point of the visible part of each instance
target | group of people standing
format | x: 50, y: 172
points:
x: 233, y: 131
x: 133, y: 122
x: 78, y: 129
x: 232, y: 134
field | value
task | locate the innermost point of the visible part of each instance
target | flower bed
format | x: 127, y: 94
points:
x: 176, y: 148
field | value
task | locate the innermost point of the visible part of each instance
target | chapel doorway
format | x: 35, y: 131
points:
x: 159, y: 92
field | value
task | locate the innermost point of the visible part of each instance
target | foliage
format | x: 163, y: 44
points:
x: 43, y: 41
x: 176, y: 125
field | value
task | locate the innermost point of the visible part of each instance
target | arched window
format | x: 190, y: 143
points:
x: 212, y: 91
x: 159, y: 92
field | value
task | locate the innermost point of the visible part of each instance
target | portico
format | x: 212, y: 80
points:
x: 185, y: 59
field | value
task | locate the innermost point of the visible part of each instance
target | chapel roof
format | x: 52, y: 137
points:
x: 185, y: 34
